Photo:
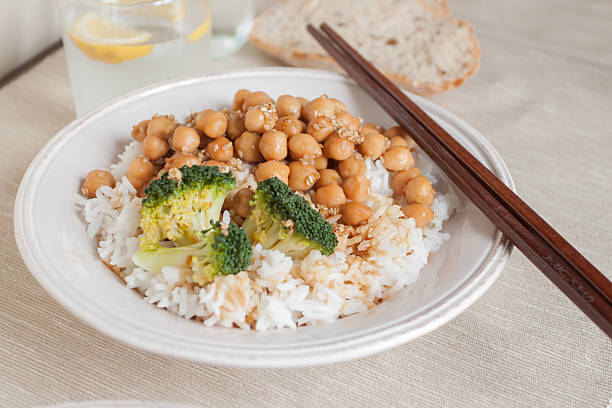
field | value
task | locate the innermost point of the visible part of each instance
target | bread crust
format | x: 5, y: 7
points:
x: 319, y: 61
x: 441, y: 6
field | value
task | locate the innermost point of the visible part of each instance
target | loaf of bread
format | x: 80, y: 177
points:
x: 417, y: 43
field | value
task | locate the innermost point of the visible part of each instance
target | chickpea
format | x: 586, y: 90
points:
x: 320, y: 162
x: 241, y: 202
x: 287, y: 105
x: 420, y: 191
x: 398, y: 158
x: 352, y: 167
x: 329, y: 176
x: 239, y: 98
x: 372, y: 127
x: 273, y: 145
x: 421, y: 214
x: 401, y: 178
x: 394, y: 132
x: 213, y: 124
x: 179, y: 160
x: 338, y: 148
x: 373, y: 145
x: 331, y: 196
x: 154, y: 147
x: 169, y: 160
x: 185, y: 139
x: 272, y: 168
x: 247, y: 147
x: 340, y: 107
x: 320, y: 128
x: 398, y: 141
x: 290, y: 126
x: 140, y: 172
x: 204, y: 140
x: 255, y: 120
x: 349, y: 121
x: 304, y: 146
x: 139, y: 131
x: 96, y: 179
x: 414, y: 171
x: 321, y: 105
x: 235, y: 125
x: 220, y: 149
x: 302, y: 176
x: 355, y: 213
x: 161, y: 126
x: 357, y: 188
x: 222, y: 166
x: 203, y: 114
x: 302, y: 100
x: 254, y: 99
x: 365, y: 130
x: 228, y: 204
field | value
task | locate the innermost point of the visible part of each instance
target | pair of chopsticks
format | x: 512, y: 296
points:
x: 573, y: 274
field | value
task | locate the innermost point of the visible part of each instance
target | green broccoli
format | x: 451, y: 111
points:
x: 283, y: 220
x: 178, y: 210
x: 221, y: 251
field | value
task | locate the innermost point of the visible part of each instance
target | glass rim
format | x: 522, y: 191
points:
x: 136, y: 4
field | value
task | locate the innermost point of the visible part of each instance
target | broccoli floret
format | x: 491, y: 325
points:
x: 179, y: 210
x: 221, y: 251
x: 283, y: 220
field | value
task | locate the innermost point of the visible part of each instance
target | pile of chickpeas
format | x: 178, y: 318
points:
x: 317, y: 147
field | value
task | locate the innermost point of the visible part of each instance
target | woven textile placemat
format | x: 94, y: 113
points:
x: 543, y: 97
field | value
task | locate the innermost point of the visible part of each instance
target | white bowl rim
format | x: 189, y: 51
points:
x: 418, y: 325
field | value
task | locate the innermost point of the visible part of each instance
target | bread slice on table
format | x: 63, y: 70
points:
x: 439, y: 6
x: 415, y: 42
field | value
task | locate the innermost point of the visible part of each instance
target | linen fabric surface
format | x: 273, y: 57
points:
x: 543, y: 97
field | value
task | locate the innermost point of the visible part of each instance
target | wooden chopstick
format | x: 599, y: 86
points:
x: 554, y: 256
x: 494, y: 185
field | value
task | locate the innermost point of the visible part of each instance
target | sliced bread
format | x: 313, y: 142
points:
x: 439, y: 6
x: 415, y: 42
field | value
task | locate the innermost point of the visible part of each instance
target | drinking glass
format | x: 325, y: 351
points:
x: 232, y: 22
x: 114, y: 46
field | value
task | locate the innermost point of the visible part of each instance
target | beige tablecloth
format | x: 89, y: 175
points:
x: 543, y: 97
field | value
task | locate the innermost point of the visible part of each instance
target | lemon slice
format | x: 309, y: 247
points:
x: 200, y: 31
x: 108, y: 41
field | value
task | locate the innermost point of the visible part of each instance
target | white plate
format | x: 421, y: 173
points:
x: 51, y: 235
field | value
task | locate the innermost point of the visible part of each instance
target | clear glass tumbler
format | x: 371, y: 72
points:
x: 114, y: 46
x: 232, y: 22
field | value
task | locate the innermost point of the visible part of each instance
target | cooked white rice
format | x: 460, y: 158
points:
x: 276, y: 291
